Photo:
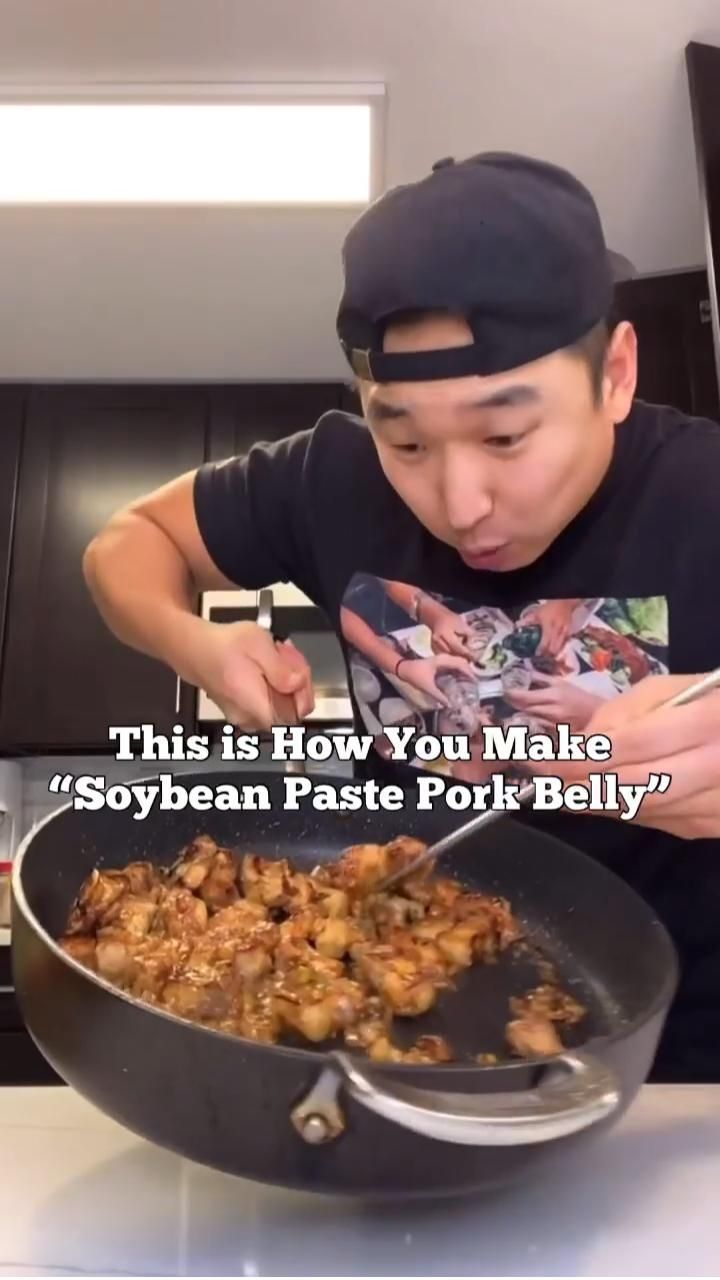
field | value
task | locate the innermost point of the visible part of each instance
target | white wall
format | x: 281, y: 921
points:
x: 599, y: 87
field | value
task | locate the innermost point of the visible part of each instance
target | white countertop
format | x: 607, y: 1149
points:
x: 81, y: 1195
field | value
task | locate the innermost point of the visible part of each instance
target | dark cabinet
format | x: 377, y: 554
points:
x: 12, y: 404
x: 676, y: 354
x: 85, y: 452
x: 350, y: 401
x: 703, y: 71
x: 249, y: 412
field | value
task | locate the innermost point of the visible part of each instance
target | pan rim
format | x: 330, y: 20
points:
x: 319, y: 1058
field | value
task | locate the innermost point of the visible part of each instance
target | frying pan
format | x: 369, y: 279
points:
x: 318, y: 1119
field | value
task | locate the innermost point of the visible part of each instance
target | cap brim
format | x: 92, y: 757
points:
x: 622, y: 268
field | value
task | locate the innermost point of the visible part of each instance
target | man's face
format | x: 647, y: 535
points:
x: 497, y: 467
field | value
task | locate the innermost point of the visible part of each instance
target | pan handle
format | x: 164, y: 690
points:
x: 574, y: 1092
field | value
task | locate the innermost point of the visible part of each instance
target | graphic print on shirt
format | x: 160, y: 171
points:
x: 443, y: 665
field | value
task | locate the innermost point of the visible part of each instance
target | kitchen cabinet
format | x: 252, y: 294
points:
x: 676, y: 356
x: 350, y: 401
x: 86, y: 450
x: 12, y: 404
x: 703, y: 72
x: 243, y: 414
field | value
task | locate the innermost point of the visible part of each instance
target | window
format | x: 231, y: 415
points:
x: 264, y: 145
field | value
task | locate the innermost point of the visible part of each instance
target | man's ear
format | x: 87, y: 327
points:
x: 620, y: 376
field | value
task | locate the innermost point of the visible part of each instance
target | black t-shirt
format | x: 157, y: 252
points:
x: 642, y: 561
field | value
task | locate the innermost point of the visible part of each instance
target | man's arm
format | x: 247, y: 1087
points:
x: 144, y: 568
x: 419, y: 673
x: 239, y: 523
x: 236, y: 523
x: 375, y: 648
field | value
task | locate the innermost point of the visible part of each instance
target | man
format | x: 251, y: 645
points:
x: 503, y: 465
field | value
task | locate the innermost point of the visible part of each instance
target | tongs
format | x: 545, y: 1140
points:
x: 525, y: 793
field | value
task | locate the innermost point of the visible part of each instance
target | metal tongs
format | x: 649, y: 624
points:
x: 525, y: 793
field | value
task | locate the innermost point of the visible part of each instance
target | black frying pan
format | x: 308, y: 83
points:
x: 302, y: 1117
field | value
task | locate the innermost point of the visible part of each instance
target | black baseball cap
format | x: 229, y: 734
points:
x: 513, y: 244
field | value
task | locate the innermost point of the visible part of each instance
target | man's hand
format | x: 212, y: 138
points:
x: 555, y: 620
x: 683, y: 742
x: 255, y: 681
x: 556, y: 702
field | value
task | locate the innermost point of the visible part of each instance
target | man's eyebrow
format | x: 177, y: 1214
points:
x: 507, y: 398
